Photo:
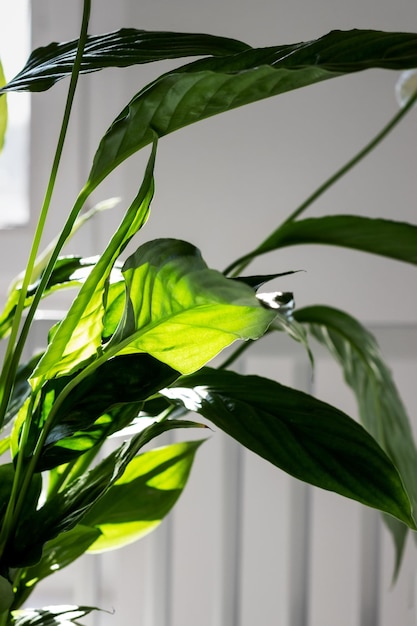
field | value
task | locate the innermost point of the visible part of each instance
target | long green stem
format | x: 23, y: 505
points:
x: 237, y: 266
x: 14, y: 349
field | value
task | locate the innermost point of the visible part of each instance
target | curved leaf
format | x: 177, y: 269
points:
x: 305, y: 437
x: 397, y: 240
x: 127, y: 46
x: 180, y: 311
x: 142, y: 497
x: 63, y: 511
x: 380, y: 406
x: 102, y: 404
x: 211, y: 86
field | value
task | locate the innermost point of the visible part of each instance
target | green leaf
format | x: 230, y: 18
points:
x: 78, y: 337
x: 57, y: 554
x: 51, y: 616
x: 3, y: 111
x: 68, y: 271
x: 142, y: 497
x: 257, y: 281
x: 100, y: 405
x: 380, y: 406
x: 215, y: 85
x: 121, y: 48
x: 63, y: 511
x: 305, y: 437
x: 21, y: 389
x: 181, y: 312
x: 397, y: 240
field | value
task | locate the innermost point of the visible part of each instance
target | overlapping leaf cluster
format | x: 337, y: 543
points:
x: 131, y: 353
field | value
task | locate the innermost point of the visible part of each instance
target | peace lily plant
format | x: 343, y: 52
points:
x: 135, y: 347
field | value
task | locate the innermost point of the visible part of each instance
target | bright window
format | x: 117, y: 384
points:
x: 14, y: 163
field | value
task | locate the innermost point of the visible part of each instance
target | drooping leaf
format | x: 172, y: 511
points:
x: 122, y: 48
x: 63, y: 511
x: 396, y: 240
x: 51, y: 616
x: 181, y: 312
x: 380, y: 406
x: 142, y: 497
x: 305, y: 437
x: 215, y: 85
x: 79, y: 335
x: 3, y: 111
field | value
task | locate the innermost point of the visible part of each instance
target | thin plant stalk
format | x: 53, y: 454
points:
x: 13, y: 355
x: 240, y: 264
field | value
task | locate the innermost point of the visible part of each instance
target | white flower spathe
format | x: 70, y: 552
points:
x: 406, y: 86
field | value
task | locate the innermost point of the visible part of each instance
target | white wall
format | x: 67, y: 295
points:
x: 223, y: 185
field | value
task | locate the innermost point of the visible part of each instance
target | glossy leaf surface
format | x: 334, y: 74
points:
x: 79, y: 335
x: 68, y: 272
x: 396, y: 240
x: 127, y: 46
x: 180, y: 311
x: 211, y: 86
x: 65, y: 510
x: 57, y: 554
x: 142, y: 497
x: 380, y: 406
x: 305, y: 437
x: 102, y: 404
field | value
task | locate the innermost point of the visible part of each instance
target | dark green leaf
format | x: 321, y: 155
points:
x: 21, y: 389
x: 142, y: 497
x: 182, y: 312
x: 397, y: 240
x: 380, y: 407
x: 305, y: 437
x: 211, y: 86
x: 121, y: 48
x: 103, y: 403
x: 66, y: 509
x: 257, y: 281
x: 56, y: 555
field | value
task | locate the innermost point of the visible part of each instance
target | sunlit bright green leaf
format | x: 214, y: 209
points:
x: 100, y: 405
x: 143, y: 496
x: 79, y: 335
x: 380, y: 406
x: 180, y: 311
x: 305, y: 437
